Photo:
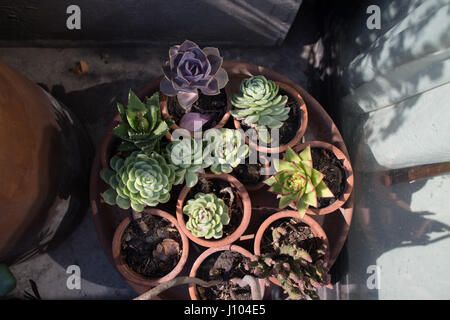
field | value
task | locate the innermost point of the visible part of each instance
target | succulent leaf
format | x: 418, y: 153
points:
x: 225, y: 149
x: 141, y: 125
x: 190, y: 69
x: 259, y: 105
x: 138, y: 181
x: 297, y: 272
x: 296, y: 181
x: 187, y: 156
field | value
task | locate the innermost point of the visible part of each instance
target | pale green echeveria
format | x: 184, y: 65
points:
x: 297, y: 181
x: 225, y: 149
x: 187, y: 157
x: 138, y: 181
x: 260, y: 106
x: 207, y: 216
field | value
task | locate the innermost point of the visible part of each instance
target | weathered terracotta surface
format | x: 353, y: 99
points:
x: 43, y: 181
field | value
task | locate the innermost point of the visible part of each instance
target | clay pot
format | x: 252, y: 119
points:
x: 348, y: 174
x: 131, y: 276
x: 315, y: 228
x: 45, y: 158
x: 163, y: 101
x: 210, y: 251
x: 300, y: 130
x: 246, y: 208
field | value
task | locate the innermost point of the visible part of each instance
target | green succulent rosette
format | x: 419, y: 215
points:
x: 260, y: 106
x: 297, y: 181
x: 142, y: 127
x: 138, y: 181
x: 207, y: 216
x: 225, y: 149
x: 187, y: 157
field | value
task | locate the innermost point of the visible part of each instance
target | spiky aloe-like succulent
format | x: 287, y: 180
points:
x: 190, y: 69
x: 187, y: 157
x: 297, y: 181
x: 138, y: 181
x: 142, y: 126
x: 260, y: 106
x: 295, y: 270
x: 207, y: 216
x: 225, y: 149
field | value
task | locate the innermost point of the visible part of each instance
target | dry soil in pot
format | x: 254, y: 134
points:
x: 223, y: 265
x: 155, y: 253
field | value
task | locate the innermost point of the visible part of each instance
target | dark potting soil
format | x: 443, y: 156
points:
x: 289, y: 128
x: 217, y: 105
x: 327, y: 163
x: 235, y: 207
x: 248, y: 174
x: 224, y: 265
x: 293, y: 232
x: 156, y: 253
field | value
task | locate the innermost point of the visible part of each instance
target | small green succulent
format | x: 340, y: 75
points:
x: 295, y: 270
x: 187, y: 157
x: 297, y: 181
x: 207, y: 216
x: 260, y: 106
x: 142, y: 126
x: 138, y: 181
x: 225, y: 149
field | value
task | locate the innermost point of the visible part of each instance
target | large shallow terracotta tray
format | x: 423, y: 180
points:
x: 320, y: 127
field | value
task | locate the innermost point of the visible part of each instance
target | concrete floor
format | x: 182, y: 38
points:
x: 92, y: 97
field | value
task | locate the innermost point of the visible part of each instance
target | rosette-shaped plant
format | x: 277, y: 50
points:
x: 297, y: 181
x: 225, y: 149
x: 138, y: 181
x: 142, y: 126
x: 190, y: 69
x: 260, y: 106
x: 187, y: 157
x: 207, y: 216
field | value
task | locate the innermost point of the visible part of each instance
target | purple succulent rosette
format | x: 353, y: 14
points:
x: 190, y: 69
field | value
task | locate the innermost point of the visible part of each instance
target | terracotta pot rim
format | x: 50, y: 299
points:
x: 347, y: 166
x: 300, y: 130
x: 210, y: 251
x: 315, y: 228
x: 165, y: 113
x: 247, y: 212
x: 131, y: 275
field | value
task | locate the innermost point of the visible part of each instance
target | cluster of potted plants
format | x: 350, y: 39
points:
x: 183, y: 134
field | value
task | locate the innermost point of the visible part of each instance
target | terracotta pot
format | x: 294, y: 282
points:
x: 315, y: 228
x: 348, y: 173
x: 246, y: 205
x: 163, y: 101
x: 131, y: 276
x: 300, y: 130
x: 210, y: 251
